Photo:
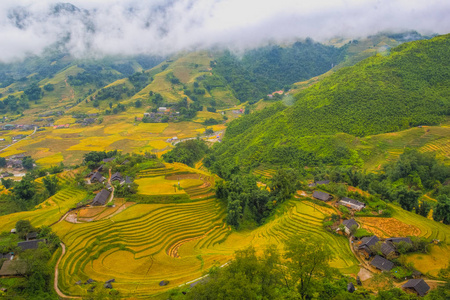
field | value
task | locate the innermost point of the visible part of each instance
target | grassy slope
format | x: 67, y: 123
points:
x: 379, y: 94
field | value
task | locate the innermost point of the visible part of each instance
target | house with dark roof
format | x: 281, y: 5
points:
x: 419, y: 286
x: 387, y: 248
x: 101, y: 198
x: 350, y: 287
x: 382, y: 263
x: 97, y: 177
x: 319, y: 183
x: 366, y: 243
x: 107, y: 160
x: 352, y: 203
x: 127, y: 180
x: 32, y: 236
x: 116, y: 177
x: 27, y: 245
x: 348, y: 225
x: 322, y: 196
x: 396, y: 240
x: 13, y: 268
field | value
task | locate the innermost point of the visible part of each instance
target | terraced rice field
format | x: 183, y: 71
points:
x: 196, y: 184
x: 268, y: 173
x: 428, y: 228
x: 441, y: 147
x: 148, y: 243
x: 48, y: 212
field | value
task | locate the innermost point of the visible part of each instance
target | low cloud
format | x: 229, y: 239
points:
x: 98, y: 28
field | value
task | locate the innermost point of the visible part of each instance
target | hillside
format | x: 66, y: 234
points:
x: 380, y: 94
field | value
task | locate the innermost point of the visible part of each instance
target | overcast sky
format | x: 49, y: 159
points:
x: 167, y: 26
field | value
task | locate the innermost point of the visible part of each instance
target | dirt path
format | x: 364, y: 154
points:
x: 58, y: 291
x: 110, y: 184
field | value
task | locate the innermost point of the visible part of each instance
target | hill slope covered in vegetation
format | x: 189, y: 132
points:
x: 410, y: 87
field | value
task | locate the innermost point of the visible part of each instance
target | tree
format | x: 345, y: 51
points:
x: 442, y: 211
x: 307, y: 260
x: 49, y: 87
x: 28, y: 162
x: 424, y: 208
x: 23, y: 227
x: 7, y: 183
x: 138, y: 103
x: 284, y: 184
x: 408, y: 199
x: 2, y: 162
x: 51, y: 184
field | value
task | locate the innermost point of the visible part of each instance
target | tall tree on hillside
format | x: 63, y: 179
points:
x: 51, y: 184
x: 307, y: 261
x: 442, y: 211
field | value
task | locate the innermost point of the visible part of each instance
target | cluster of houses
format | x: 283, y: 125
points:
x: 389, y: 249
x: 61, y: 126
x: 156, y: 117
x: 347, y: 202
x: 22, y: 127
x: 14, y: 162
x: 96, y: 177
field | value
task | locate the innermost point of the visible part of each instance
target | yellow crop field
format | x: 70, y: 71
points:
x: 159, y: 185
x: 431, y: 263
x: 158, y: 144
x: 148, y: 243
x: 47, y: 212
x: 50, y: 160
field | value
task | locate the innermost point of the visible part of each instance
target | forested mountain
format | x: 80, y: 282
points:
x: 264, y: 70
x: 410, y: 87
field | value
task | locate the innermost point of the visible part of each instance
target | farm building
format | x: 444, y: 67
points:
x: 32, y: 236
x: 33, y: 244
x: 348, y: 225
x: 97, y: 177
x: 322, y: 196
x: 352, y: 203
x: 350, y: 287
x: 128, y: 180
x: 417, y: 285
x: 101, y: 198
x: 382, y: 263
x: 107, y: 160
x: 13, y: 268
x: 319, y: 183
x: 162, y: 109
x: 366, y: 243
x: 116, y: 177
x: 387, y: 248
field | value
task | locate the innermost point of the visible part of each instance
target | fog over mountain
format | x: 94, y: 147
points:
x: 127, y: 27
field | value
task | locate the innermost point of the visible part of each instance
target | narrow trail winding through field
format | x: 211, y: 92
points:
x: 35, y: 128
x: 58, y: 291
x: 110, y: 184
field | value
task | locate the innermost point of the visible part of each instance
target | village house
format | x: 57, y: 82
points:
x: 27, y: 245
x: 366, y: 243
x: 97, y: 177
x: 382, y: 263
x: 101, y: 198
x: 419, y: 286
x: 32, y: 236
x: 319, y: 183
x: 107, y: 160
x: 116, y: 177
x: 348, y: 224
x: 322, y: 196
x: 352, y: 203
x: 387, y: 249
